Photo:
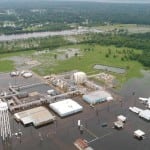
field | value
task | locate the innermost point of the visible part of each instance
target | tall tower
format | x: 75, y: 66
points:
x: 4, y: 121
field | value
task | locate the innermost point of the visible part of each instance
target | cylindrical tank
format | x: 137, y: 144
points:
x: 79, y: 77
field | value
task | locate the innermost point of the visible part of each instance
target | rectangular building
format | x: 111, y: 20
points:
x: 66, y: 107
x: 97, y: 97
x: 37, y: 116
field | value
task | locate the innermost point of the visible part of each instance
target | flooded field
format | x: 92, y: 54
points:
x: 61, y: 134
x: 140, y: 86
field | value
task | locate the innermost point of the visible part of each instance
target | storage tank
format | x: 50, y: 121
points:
x: 79, y: 77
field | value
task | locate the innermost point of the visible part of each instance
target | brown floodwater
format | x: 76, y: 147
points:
x: 61, y: 134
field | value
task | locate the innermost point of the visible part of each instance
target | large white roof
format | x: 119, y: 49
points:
x: 66, y: 107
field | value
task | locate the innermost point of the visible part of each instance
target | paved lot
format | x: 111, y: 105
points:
x: 6, y: 80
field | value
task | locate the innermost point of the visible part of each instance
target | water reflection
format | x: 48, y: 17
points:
x: 46, y: 34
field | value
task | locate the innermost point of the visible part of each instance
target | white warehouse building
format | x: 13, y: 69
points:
x: 66, y: 107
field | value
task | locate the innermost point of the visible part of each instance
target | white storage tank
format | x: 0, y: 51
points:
x: 79, y: 77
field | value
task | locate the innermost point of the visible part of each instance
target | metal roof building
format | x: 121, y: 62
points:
x: 97, y: 97
x: 66, y: 107
x: 37, y: 116
x: 82, y: 144
x: 145, y: 114
x: 139, y: 134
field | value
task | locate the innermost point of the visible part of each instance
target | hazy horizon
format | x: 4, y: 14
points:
x: 111, y: 1
x: 105, y: 1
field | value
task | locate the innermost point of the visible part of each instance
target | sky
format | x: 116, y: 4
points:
x: 117, y: 1
x: 107, y: 1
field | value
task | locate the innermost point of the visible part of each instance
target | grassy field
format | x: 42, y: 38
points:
x: 89, y: 56
x: 19, y: 53
x: 6, y: 65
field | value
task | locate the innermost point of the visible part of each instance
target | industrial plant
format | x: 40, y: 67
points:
x: 70, y: 98
x: 48, y: 99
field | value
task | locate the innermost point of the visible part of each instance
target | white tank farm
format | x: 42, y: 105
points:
x: 79, y: 77
x: 4, y: 121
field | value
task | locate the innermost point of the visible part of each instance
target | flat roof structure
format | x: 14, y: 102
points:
x: 145, y: 114
x: 118, y: 124
x: 89, y: 148
x: 97, y: 97
x: 81, y: 144
x: 135, y: 110
x: 66, y: 107
x: 139, y: 133
x: 37, y: 116
x: 121, y: 118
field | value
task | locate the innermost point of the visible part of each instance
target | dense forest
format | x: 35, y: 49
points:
x: 57, y: 15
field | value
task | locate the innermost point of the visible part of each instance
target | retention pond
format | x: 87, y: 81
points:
x: 110, y: 68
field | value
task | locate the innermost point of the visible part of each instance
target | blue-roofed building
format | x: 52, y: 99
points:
x: 97, y: 97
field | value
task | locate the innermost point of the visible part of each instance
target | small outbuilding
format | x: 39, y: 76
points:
x: 97, y: 97
x: 122, y: 118
x: 139, y: 134
x: 118, y: 124
x: 66, y: 107
x: 82, y: 144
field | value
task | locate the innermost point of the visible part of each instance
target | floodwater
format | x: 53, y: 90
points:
x: 61, y: 134
x: 109, y: 68
x: 46, y: 34
x: 140, y: 86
